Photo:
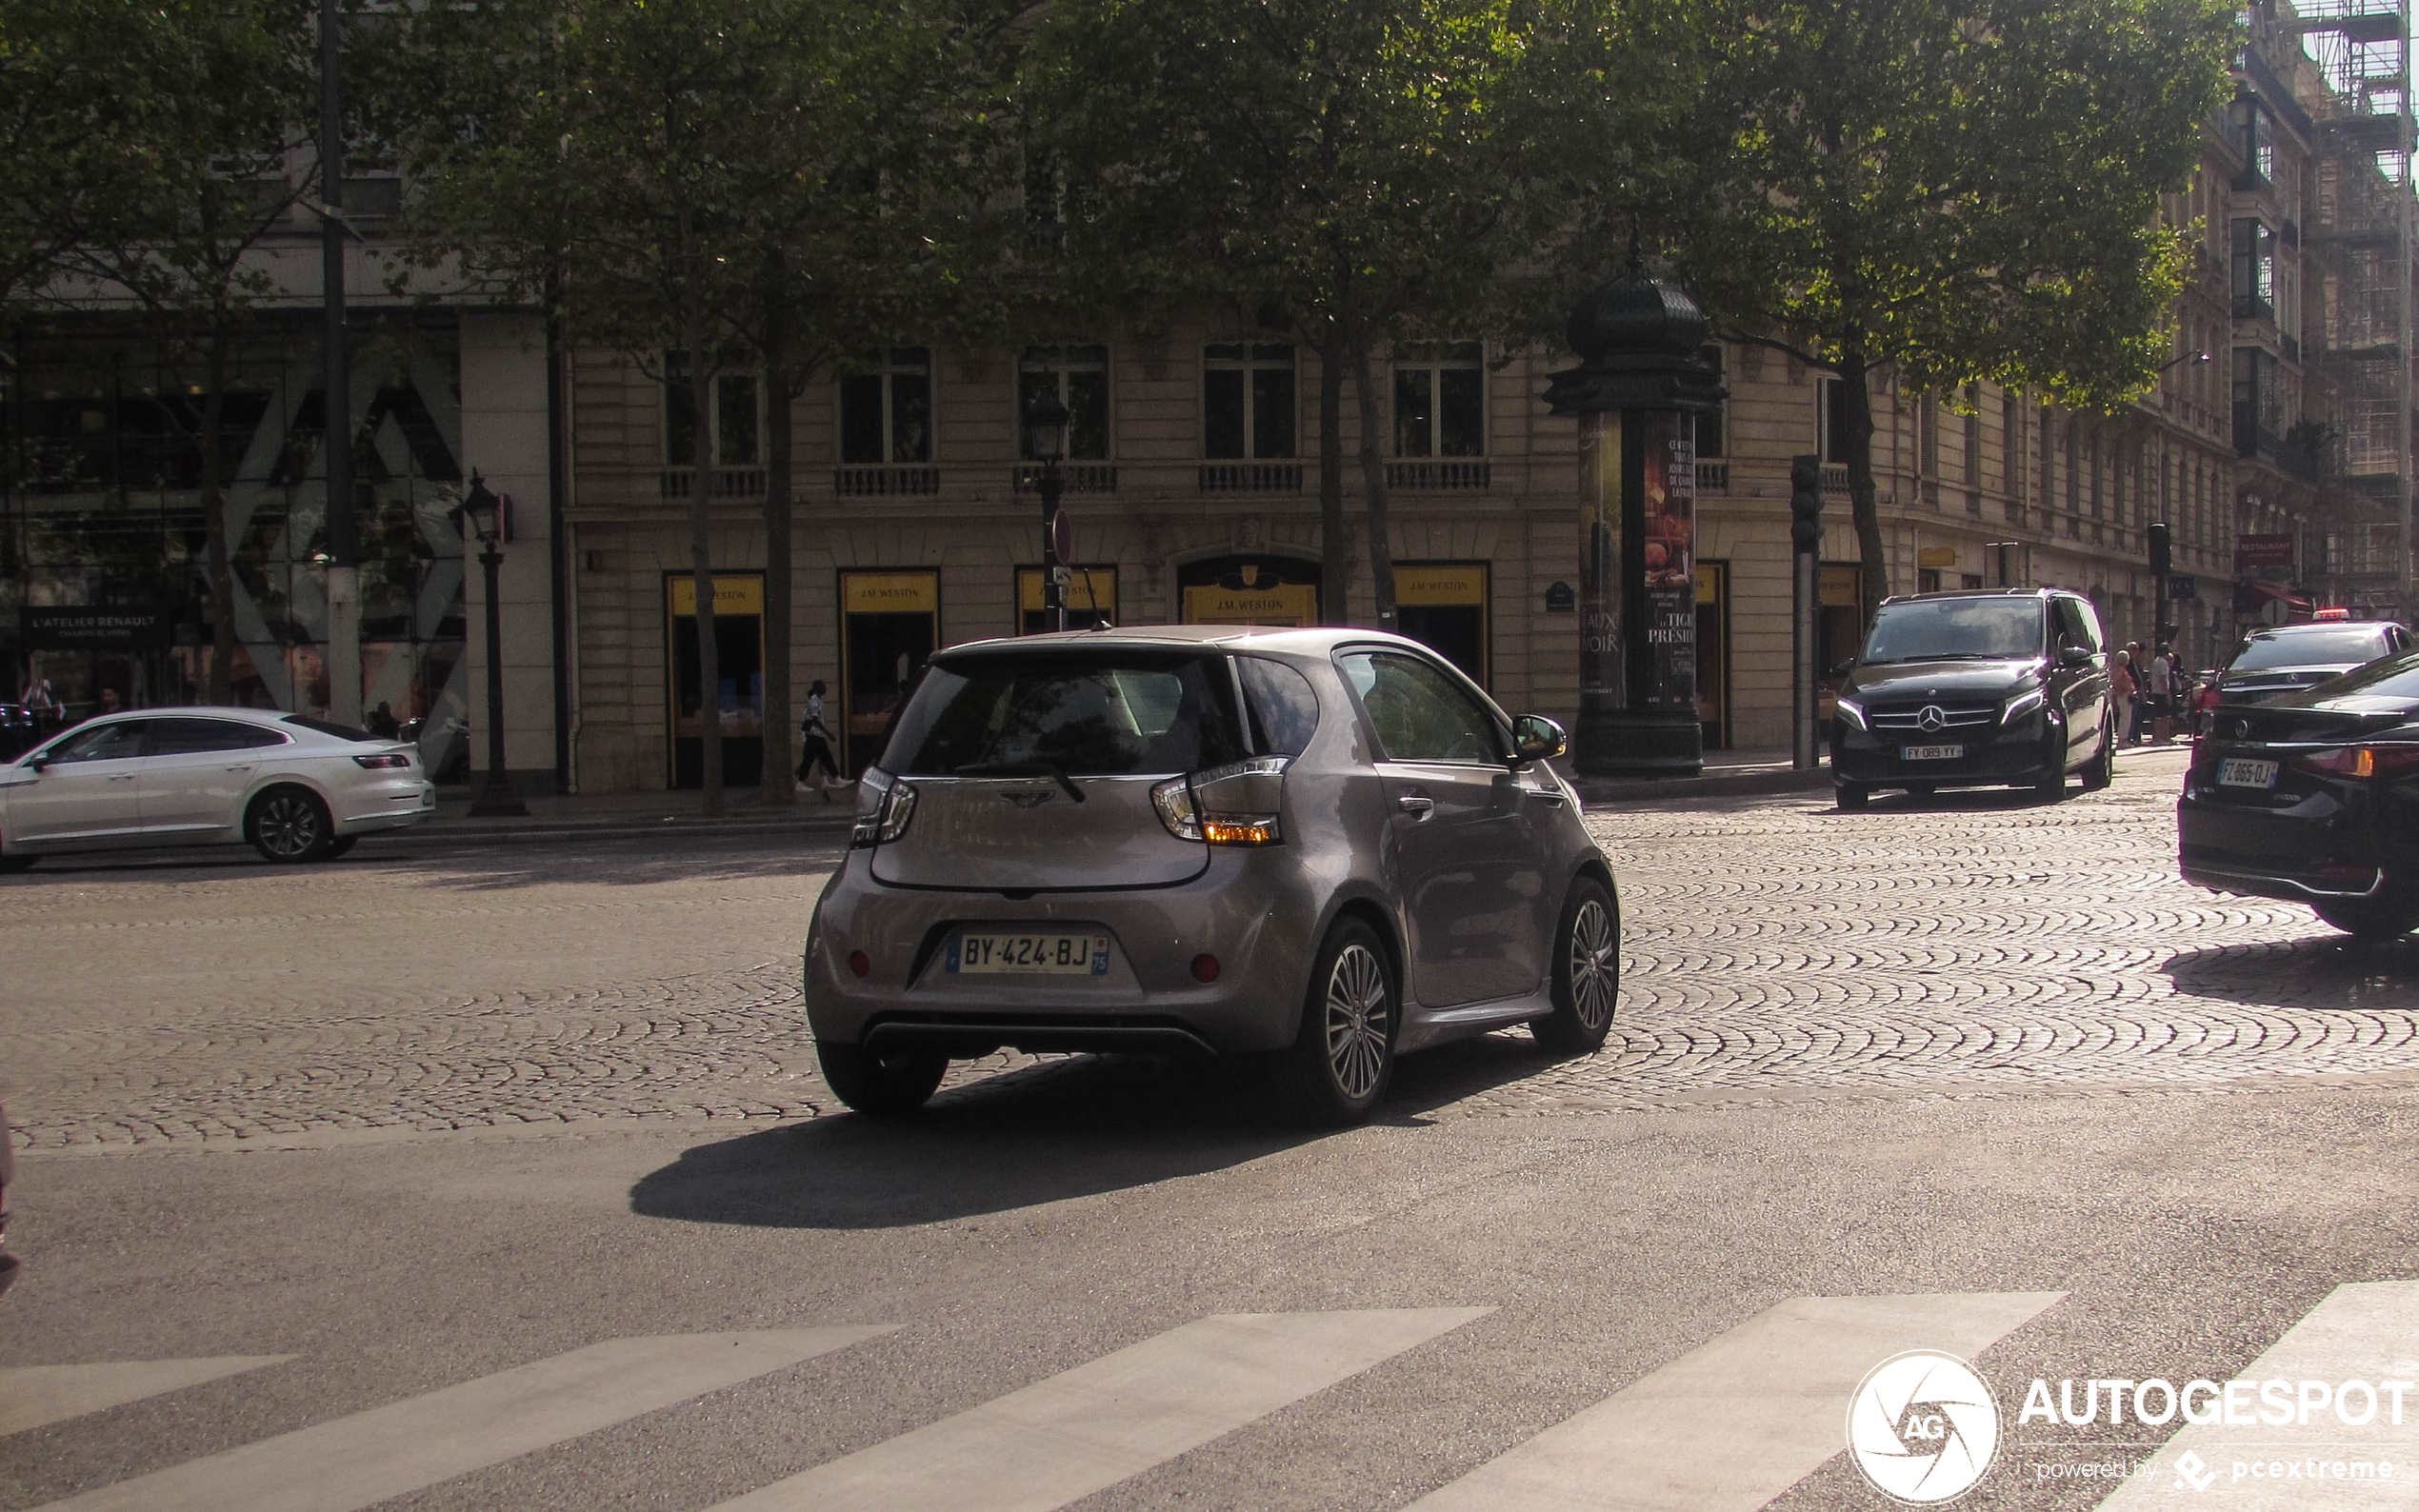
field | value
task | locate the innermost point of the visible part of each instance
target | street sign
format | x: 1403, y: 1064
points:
x: 1061, y: 536
x: 2184, y: 588
x: 71, y: 629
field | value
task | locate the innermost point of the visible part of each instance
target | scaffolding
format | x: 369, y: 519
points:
x: 2358, y: 247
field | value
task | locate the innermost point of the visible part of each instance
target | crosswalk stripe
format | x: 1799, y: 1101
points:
x: 369, y: 1457
x: 2363, y: 1331
x: 1089, y: 1428
x: 1734, y: 1422
x: 33, y: 1396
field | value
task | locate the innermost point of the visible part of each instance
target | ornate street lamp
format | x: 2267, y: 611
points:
x: 486, y: 513
x: 1046, y: 435
x: 1637, y: 389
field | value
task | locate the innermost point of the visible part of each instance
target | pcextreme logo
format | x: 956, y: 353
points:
x: 1923, y: 1427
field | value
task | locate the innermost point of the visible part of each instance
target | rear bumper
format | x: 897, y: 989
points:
x: 388, y: 806
x: 1251, y: 911
x: 2317, y: 848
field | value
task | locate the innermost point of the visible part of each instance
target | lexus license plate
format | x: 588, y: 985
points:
x: 2242, y: 771
x: 1029, y: 952
x: 1931, y: 753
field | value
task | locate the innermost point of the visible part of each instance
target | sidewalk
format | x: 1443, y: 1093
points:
x: 565, y: 816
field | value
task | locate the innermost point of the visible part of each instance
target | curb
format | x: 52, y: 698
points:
x: 471, y: 833
x: 1735, y: 785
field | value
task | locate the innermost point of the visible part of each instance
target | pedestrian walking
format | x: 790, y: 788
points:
x: 381, y: 722
x: 2135, y: 662
x: 815, y: 742
x: 2122, y: 686
x: 40, y: 701
x: 2162, y: 696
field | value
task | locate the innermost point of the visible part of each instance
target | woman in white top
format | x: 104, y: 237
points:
x: 815, y: 742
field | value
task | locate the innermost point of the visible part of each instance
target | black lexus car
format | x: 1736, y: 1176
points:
x: 1975, y: 688
x: 2313, y: 797
x: 2287, y: 657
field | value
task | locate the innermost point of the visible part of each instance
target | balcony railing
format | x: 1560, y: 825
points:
x: 1416, y: 477
x: 1075, y: 477
x: 729, y: 483
x: 1251, y: 477
x: 1835, y: 477
x: 1713, y: 477
x: 863, y: 483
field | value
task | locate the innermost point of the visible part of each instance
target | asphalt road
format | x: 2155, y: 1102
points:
x: 370, y: 1138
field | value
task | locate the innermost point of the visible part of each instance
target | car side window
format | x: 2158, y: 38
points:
x: 2071, y: 630
x: 180, y: 737
x: 1284, y: 707
x: 102, y: 743
x: 1419, y: 713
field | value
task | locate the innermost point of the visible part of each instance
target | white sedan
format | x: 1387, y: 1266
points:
x: 296, y: 788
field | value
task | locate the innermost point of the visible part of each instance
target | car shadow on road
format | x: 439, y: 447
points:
x: 621, y: 861
x: 1076, y: 1128
x: 2320, y: 971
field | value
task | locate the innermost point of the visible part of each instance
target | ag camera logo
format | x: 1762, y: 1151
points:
x: 1923, y: 1427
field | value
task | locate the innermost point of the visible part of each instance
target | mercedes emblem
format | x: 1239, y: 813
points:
x: 1931, y: 717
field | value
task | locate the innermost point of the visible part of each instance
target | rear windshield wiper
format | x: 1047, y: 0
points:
x: 1056, y: 774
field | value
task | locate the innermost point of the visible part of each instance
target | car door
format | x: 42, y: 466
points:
x: 2082, y: 690
x: 85, y: 793
x: 197, y: 771
x: 1468, y: 873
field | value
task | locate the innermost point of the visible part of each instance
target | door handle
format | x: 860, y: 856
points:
x: 246, y: 767
x: 121, y: 777
x: 1414, y: 803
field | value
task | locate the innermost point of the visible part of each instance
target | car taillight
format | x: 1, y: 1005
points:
x: 883, y: 810
x: 386, y: 759
x: 2362, y: 762
x: 1181, y: 810
x: 2206, y: 700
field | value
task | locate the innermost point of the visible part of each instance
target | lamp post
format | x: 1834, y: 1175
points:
x: 1636, y: 391
x: 486, y: 513
x: 1046, y: 434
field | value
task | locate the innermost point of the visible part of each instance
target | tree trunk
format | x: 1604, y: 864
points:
x: 1335, y: 560
x: 780, y: 781
x: 1855, y: 375
x: 701, y: 489
x: 221, y: 569
x: 1373, y: 487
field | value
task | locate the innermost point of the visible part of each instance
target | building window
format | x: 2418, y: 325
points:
x: 1078, y: 378
x: 885, y: 408
x: 2011, y: 445
x: 2258, y: 406
x: 2254, y: 133
x: 1247, y: 400
x: 737, y: 421
x: 2254, y: 270
x: 1835, y: 420
x: 1440, y: 401
x: 1972, y: 445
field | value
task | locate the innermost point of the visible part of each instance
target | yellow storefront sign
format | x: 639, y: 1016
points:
x: 1086, y: 588
x: 1287, y: 603
x: 741, y: 593
x: 1448, y: 585
x: 890, y: 593
x: 1841, y: 588
x: 1936, y: 556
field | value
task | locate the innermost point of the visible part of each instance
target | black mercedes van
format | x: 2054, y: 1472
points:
x: 1972, y: 690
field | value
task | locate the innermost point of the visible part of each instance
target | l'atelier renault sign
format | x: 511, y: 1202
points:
x: 73, y: 629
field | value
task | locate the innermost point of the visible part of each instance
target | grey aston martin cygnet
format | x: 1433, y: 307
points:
x: 1325, y: 845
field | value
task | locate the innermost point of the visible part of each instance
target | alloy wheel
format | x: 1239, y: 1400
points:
x: 1358, y: 1019
x: 288, y: 827
x: 1595, y: 966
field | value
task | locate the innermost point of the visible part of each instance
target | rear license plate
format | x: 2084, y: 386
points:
x: 1931, y: 753
x: 2241, y: 771
x: 1029, y: 953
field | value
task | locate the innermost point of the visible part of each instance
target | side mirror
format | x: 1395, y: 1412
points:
x: 1536, y: 739
x: 2075, y: 656
x: 39, y: 763
x: 1842, y: 668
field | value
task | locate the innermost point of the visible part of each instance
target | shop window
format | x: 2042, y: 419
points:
x: 739, y: 700
x: 1443, y: 605
x: 1078, y: 378
x: 1091, y: 598
x: 885, y: 408
x: 1835, y: 420
x: 1247, y: 400
x: 736, y: 423
x: 1440, y: 401
x: 889, y: 626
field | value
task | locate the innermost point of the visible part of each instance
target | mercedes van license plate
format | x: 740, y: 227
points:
x: 1931, y: 753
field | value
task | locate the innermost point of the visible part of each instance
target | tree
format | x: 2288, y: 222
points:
x: 200, y: 172
x: 1346, y: 173
x: 1965, y: 191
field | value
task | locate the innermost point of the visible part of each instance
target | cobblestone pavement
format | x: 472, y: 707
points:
x: 1963, y: 946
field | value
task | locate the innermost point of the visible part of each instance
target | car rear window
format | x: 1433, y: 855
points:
x: 1084, y: 713
x: 2388, y: 677
x: 1949, y: 629
x: 329, y: 726
x: 2309, y: 648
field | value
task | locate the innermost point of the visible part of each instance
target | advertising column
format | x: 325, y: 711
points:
x: 1603, y: 682
x: 1671, y: 549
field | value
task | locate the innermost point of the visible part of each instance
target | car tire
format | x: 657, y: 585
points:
x: 880, y: 1085
x: 2101, y: 770
x: 289, y: 823
x: 341, y: 846
x: 1587, y: 979
x: 15, y: 861
x: 1853, y: 795
x: 1342, y: 1059
x: 2386, y: 917
x: 2052, y: 784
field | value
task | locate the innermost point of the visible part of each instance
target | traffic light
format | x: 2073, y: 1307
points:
x: 1806, y: 501
x: 2162, y: 554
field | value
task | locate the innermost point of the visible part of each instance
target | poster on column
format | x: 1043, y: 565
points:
x: 1672, y: 541
x: 1602, y: 678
